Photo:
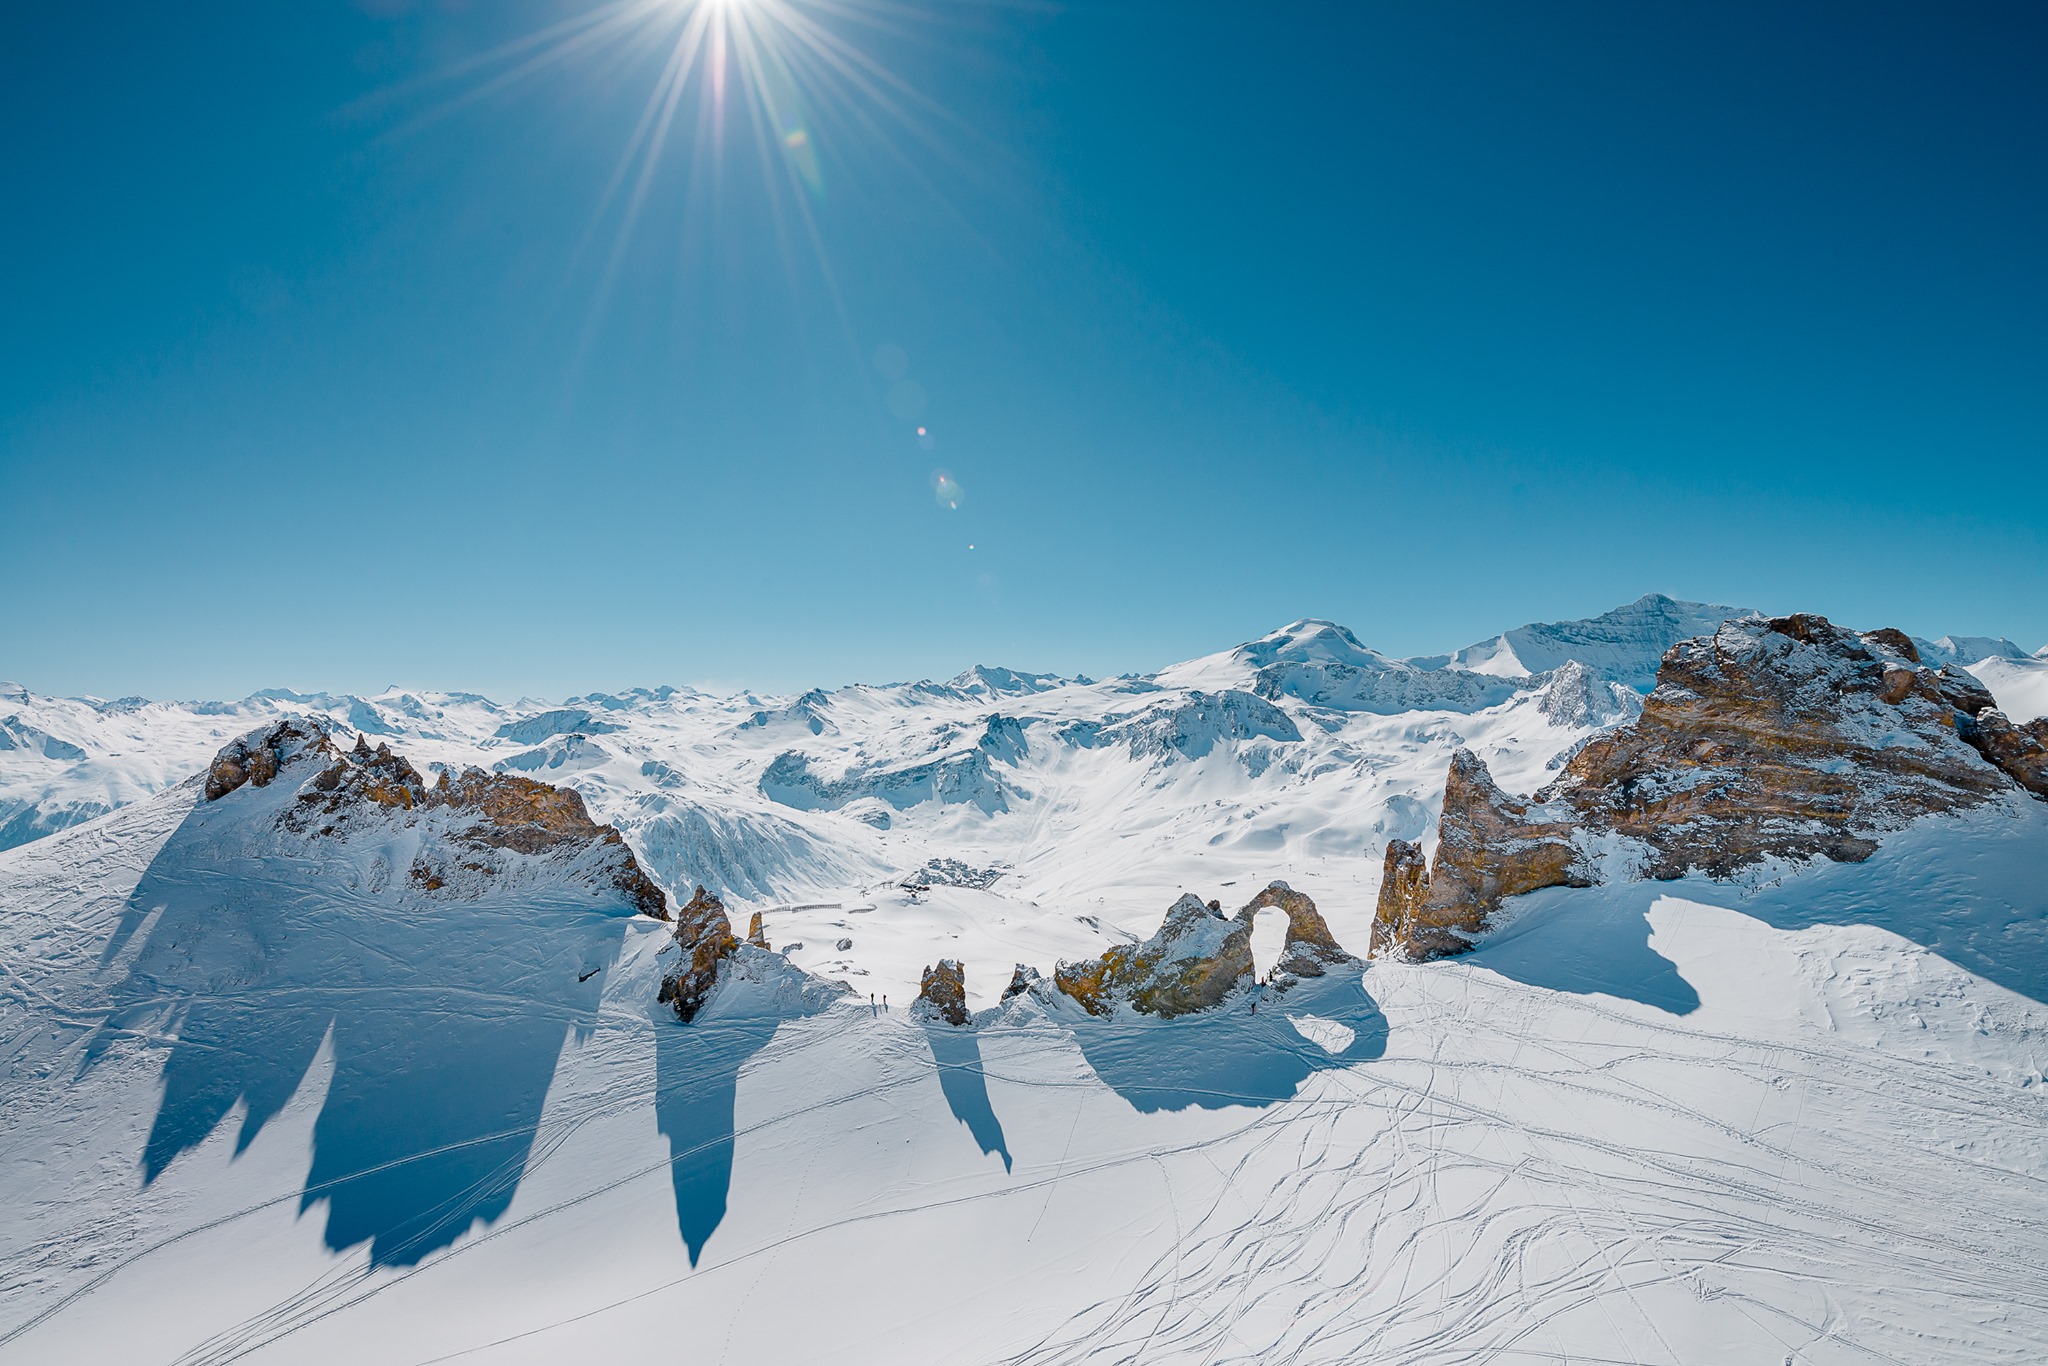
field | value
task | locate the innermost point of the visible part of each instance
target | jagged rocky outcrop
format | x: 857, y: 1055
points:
x: 967, y: 778
x: 1787, y: 738
x: 756, y: 935
x: 1190, y: 726
x: 704, y: 933
x: 1489, y: 846
x: 1198, y: 957
x: 2022, y: 750
x: 467, y: 816
x: 1025, y: 979
x: 494, y: 810
x: 942, y: 994
x: 257, y: 757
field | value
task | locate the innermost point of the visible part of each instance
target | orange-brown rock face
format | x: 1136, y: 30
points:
x: 484, y: 811
x: 1198, y: 957
x: 2021, y: 751
x: 1790, y: 738
x: 531, y: 817
x: 255, y: 759
x: 705, y: 933
x: 1404, y: 888
x: 363, y: 775
x: 1489, y: 846
x: 1310, y: 948
x: 942, y: 993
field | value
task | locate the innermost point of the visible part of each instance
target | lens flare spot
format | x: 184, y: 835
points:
x: 946, y: 489
x: 892, y: 362
x: 907, y: 400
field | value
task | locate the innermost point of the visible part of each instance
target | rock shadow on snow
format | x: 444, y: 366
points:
x: 445, y: 1020
x: 1967, y: 888
x: 963, y: 1080
x: 1587, y: 943
x: 1233, y: 1056
x: 696, y: 1091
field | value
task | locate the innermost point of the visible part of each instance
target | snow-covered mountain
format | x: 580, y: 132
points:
x: 339, y: 1053
x: 1303, y: 749
x: 1623, y: 645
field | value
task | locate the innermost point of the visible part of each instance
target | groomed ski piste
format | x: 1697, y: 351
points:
x: 258, y: 1107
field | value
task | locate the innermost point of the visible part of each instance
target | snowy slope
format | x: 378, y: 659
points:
x: 1084, y: 806
x: 1623, y: 645
x: 2020, y: 684
x: 261, y: 1100
x: 1646, y: 1123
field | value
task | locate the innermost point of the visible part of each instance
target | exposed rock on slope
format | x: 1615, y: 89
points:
x: 1021, y: 981
x: 1576, y: 696
x: 1788, y: 738
x: 2022, y: 751
x: 461, y: 819
x: 1324, y: 665
x: 257, y: 757
x: 1489, y: 846
x: 704, y: 932
x: 531, y: 730
x: 1198, y: 957
x: 1190, y: 727
x: 967, y: 777
x: 943, y: 993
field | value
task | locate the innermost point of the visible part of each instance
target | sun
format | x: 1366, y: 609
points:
x: 788, y: 84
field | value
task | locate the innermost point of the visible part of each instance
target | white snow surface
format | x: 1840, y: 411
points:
x: 1090, y: 805
x: 1624, y: 644
x: 259, y: 1103
x: 2020, y: 685
x: 1646, y: 1123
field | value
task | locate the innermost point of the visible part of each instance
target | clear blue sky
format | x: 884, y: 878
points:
x: 328, y: 364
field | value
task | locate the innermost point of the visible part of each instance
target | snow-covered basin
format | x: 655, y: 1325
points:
x: 2020, y: 685
x: 1684, y: 1122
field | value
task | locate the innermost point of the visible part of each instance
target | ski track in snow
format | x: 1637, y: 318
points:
x: 1433, y: 1205
x: 1803, y: 1119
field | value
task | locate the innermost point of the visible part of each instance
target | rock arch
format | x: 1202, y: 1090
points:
x: 1310, y: 949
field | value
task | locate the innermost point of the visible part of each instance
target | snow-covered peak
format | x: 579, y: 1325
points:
x: 1967, y: 650
x: 985, y: 680
x: 1312, y: 641
x: 1623, y: 645
x: 1310, y: 644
